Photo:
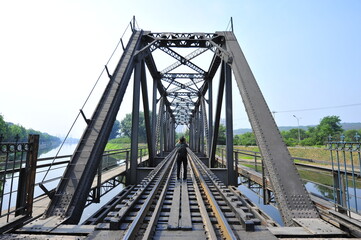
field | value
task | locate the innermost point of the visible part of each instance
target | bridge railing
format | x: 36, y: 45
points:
x: 17, y: 177
x: 346, y: 165
x: 21, y: 172
x: 338, y: 179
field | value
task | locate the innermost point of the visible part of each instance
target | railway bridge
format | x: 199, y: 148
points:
x: 154, y: 204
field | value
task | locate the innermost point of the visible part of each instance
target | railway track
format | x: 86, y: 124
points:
x: 162, y: 207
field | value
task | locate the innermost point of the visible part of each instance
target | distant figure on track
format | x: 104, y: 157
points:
x: 182, y: 157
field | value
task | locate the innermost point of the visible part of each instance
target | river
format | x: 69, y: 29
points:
x: 313, y: 188
x: 51, y: 180
x: 68, y: 149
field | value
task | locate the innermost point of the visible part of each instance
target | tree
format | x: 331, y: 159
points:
x: 221, y: 135
x: 13, y: 132
x: 329, y: 126
x: 350, y: 135
x: 290, y: 137
x: 17, y: 132
x: 185, y: 134
x: 237, y: 139
x: 115, y: 130
x: 249, y: 139
x: 3, y: 127
x: 126, y: 127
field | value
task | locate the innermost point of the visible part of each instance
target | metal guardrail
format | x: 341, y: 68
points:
x: 345, y: 165
x: 14, y: 172
x: 17, y: 177
x: 345, y: 158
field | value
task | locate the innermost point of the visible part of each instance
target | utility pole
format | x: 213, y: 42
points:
x: 298, y: 127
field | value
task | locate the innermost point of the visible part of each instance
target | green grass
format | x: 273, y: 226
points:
x: 315, y: 153
x: 123, y: 143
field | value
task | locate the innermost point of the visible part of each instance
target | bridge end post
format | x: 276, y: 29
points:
x: 27, y: 179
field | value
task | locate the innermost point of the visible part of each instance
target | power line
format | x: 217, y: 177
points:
x: 319, y: 108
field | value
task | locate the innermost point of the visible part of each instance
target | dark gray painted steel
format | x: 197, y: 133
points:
x: 135, y: 125
x: 72, y: 192
x: 232, y: 178
x: 217, y: 117
x: 147, y: 115
x: 210, y: 117
x: 290, y: 193
x: 154, y: 116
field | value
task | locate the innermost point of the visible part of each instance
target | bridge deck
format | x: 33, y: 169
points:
x: 163, y: 207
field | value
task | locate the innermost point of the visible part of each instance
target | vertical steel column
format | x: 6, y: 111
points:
x: 158, y: 130
x: 205, y: 127
x: 164, y: 125
x: 146, y: 114
x: 232, y: 178
x: 201, y: 130
x: 154, y: 116
x: 217, y: 117
x: 174, y: 134
x: 210, y: 117
x: 197, y: 129
x: 170, y: 134
x: 135, y: 124
x: 165, y: 132
x: 191, y: 134
x: 161, y: 128
x: 199, y: 123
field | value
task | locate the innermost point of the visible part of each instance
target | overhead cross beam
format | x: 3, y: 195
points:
x: 176, y: 83
x: 182, y: 59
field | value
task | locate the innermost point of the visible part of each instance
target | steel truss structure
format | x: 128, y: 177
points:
x: 182, y: 98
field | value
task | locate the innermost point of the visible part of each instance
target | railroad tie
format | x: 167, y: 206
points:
x: 185, y: 221
x: 180, y: 214
x: 173, y: 220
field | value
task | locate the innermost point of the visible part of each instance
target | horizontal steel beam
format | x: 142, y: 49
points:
x: 178, y: 84
x: 183, y: 75
x: 187, y: 94
x: 182, y: 59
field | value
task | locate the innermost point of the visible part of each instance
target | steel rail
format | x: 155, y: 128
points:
x: 234, y: 202
x: 211, y: 234
x: 221, y: 219
x: 136, y: 223
x: 115, y: 221
x: 155, y: 216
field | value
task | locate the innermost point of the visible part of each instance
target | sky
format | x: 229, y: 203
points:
x: 304, y: 54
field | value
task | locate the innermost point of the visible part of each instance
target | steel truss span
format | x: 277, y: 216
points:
x: 157, y: 205
x: 183, y: 102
